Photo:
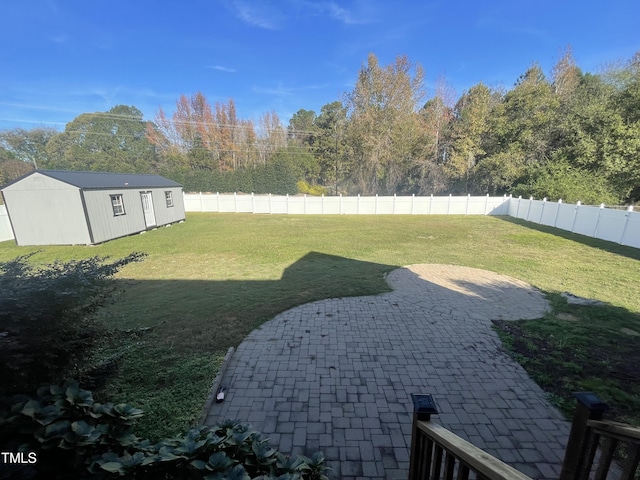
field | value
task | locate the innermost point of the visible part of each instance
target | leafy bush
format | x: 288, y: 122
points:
x: 304, y: 187
x: 560, y: 180
x: 75, y: 437
x: 46, y: 317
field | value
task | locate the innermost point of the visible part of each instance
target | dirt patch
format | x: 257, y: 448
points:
x: 561, y: 367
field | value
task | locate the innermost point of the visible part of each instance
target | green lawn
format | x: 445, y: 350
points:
x: 208, y: 282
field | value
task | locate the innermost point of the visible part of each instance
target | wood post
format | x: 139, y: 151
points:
x: 589, y: 407
x: 423, y: 407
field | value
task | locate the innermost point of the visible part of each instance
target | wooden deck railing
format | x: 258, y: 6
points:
x: 594, y: 444
x: 437, y: 453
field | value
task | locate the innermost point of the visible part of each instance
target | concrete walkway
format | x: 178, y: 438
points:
x: 336, y: 375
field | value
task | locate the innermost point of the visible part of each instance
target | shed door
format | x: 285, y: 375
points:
x: 147, y: 208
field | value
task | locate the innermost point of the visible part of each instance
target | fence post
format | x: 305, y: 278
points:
x: 340, y: 205
x: 305, y: 203
x: 270, y: 209
x: 394, y: 203
x: 555, y: 220
x: 235, y: 202
x: 595, y: 230
x: 375, y: 208
x: 423, y: 407
x: 430, y: 202
x: 201, y: 207
x: 322, y: 205
x: 218, y: 198
x: 518, y: 210
x: 413, y: 197
x: 253, y: 207
x: 544, y: 203
x: 466, y: 212
x: 626, y: 223
x: 287, y: 204
x: 358, y: 205
x: 575, y: 216
x: 449, y: 205
x: 589, y: 407
x: 529, y: 208
x: 486, y: 204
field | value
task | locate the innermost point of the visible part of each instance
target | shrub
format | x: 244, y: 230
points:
x: 74, y: 437
x: 304, y: 187
x: 46, y: 317
x: 560, y: 180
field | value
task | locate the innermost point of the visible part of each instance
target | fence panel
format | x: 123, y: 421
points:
x: 586, y: 220
x: 6, y: 232
x: 519, y: 207
x: 535, y: 210
x: 549, y: 214
x: 631, y: 234
x: 610, y: 224
x: 566, y: 215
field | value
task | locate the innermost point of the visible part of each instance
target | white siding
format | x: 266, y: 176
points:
x: 106, y: 226
x: 45, y: 211
x: 6, y: 232
x: 164, y: 214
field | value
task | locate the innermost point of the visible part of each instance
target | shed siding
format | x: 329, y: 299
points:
x: 104, y: 224
x: 45, y: 211
x: 164, y: 214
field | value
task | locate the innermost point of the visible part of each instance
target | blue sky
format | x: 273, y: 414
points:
x: 60, y: 58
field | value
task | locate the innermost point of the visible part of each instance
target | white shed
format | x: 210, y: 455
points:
x: 50, y: 207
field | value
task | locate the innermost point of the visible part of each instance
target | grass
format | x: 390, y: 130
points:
x: 580, y: 348
x: 211, y: 280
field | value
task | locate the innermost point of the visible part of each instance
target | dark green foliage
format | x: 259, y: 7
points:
x: 278, y: 177
x: 113, y: 141
x: 559, y: 180
x: 46, y: 317
x: 75, y: 437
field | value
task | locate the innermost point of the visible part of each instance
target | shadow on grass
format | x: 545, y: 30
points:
x: 211, y: 315
x: 170, y: 335
x: 625, y: 251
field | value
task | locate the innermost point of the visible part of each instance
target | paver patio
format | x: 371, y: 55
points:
x: 336, y: 375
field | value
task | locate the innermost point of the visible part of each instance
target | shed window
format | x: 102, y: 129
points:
x: 168, y: 196
x: 118, y: 205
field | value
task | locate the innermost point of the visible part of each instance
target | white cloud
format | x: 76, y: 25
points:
x: 262, y: 14
x: 282, y: 90
x: 221, y: 68
x: 334, y: 11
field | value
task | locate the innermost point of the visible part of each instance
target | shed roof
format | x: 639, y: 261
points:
x: 99, y: 180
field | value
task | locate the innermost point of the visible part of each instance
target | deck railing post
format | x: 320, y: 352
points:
x: 589, y: 407
x: 423, y: 407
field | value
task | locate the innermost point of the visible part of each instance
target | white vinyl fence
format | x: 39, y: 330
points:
x: 392, y: 205
x: 619, y: 226
x: 6, y: 232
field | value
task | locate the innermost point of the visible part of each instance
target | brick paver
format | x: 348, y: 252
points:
x: 336, y: 375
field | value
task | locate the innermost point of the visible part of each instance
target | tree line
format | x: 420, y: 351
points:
x: 570, y: 134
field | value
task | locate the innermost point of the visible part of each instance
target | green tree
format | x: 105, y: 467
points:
x: 330, y: 145
x: 521, y: 133
x: 28, y: 146
x: 469, y: 127
x: 560, y: 180
x: 104, y: 141
x: 302, y: 129
x: 383, y: 123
